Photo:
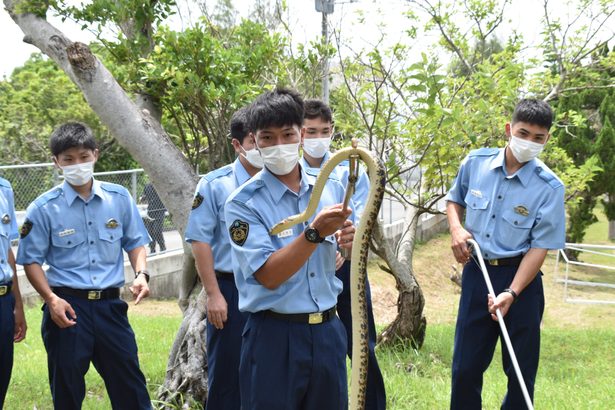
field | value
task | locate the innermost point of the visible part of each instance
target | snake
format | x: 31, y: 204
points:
x: 358, y: 264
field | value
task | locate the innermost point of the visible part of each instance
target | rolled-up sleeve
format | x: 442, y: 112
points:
x: 34, y: 245
x: 135, y: 234
x: 549, y: 230
x: 458, y: 190
x: 252, y: 253
x: 204, y: 216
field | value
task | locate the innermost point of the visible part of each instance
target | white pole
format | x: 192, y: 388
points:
x: 511, y: 352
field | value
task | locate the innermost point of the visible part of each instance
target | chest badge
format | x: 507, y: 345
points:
x: 476, y: 193
x: 6, y: 219
x: 66, y: 232
x: 112, y: 223
x: 521, y: 210
x: 239, y: 232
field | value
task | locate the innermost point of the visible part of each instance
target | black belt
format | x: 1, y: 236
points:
x: 309, y: 318
x: 225, y: 275
x: 513, y: 261
x: 89, y: 294
x: 5, y: 289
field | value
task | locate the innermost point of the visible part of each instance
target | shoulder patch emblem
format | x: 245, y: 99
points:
x: 239, y: 232
x: 112, y: 223
x: 25, y: 228
x: 6, y: 219
x: 521, y: 210
x: 198, y: 200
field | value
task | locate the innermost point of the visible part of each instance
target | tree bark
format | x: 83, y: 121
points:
x: 410, y: 323
x: 141, y: 134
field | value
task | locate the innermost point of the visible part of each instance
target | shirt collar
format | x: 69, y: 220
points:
x: 241, y: 175
x: 70, y: 194
x: 324, y: 160
x: 523, y: 174
x: 278, y: 189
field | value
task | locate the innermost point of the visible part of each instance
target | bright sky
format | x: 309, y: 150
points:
x: 523, y: 16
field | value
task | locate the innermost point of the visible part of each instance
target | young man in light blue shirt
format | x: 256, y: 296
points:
x: 12, y: 319
x: 293, y: 354
x: 79, y: 229
x: 514, y: 209
x: 207, y: 233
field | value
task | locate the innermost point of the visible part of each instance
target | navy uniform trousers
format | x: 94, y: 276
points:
x: 223, y: 353
x: 103, y: 336
x: 476, y: 336
x: 288, y: 365
x: 375, y: 397
x: 7, y: 330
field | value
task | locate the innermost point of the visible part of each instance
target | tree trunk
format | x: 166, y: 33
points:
x: 612, y: 230
x: 410, y: 323
x: 141, y: 134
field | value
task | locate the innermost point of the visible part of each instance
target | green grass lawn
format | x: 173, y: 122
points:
x: 577, y: 368
x: 155, y: 325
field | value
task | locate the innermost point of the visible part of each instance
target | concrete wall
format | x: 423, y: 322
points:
x: 165, y: 273
x: 165, y: 268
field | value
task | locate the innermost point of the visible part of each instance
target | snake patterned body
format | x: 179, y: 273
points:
x: 358, y: 264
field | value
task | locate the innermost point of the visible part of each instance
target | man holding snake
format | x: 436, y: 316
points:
x: 293, y: 351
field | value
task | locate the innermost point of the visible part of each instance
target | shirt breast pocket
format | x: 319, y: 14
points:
x: 515, y: 230
x: 67, y: 241
x: 110, y: 243
x: 476, y: 211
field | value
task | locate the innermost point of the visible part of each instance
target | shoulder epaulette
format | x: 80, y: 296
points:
x: 548, y: 176
x: 220, y: 172
x: 110, y: 187
x: 53, y: 193
x: 248, y: 189
x: 484, y: 152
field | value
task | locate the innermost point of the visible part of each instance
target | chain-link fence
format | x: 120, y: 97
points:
x: 30, y: 181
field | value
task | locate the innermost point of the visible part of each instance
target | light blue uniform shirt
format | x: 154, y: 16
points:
x: 206, y: 221
x: 82, y: 241
x: 8, y: 229
x: 509, y: 214
x: 342, y: 171
x: 251, y: 211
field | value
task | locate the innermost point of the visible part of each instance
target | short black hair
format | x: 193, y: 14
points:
x: 317, y: 109
x: 281, y: 107
x: 71, y: 135
x: 239, y: 127
x: 533, y: 111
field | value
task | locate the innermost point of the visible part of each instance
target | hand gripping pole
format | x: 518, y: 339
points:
x: 509, y: 346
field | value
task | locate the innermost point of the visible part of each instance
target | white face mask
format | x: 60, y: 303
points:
x: 524, y: 150
x: 316, y: 147
x: 78, y: 174
x: 253, y: 157
x: 281, y: 159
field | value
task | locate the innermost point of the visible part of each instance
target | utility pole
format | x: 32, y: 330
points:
x: 325, y: 7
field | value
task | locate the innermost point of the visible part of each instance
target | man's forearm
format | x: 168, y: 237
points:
x: 137, y: 258
x: 285, y: 262
x: 454, y: 214
x: 204, y: 258
x: 15, y: 286
x: 37, y: 278
x: 528, y: 269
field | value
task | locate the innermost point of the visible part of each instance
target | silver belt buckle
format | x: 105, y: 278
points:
x: 494, y: 262
x: 94, y: 294
x: 315, y: 318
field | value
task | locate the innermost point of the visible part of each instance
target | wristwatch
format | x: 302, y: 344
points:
x: 143, y: 272
x: 312, y: 235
